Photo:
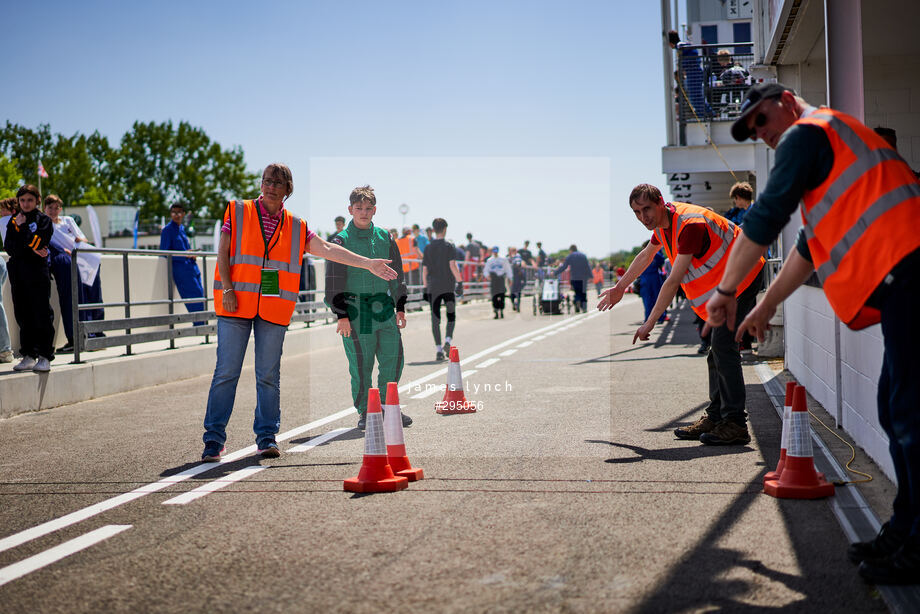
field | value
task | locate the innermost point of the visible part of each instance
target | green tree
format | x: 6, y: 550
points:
x: 10, y: 178
x: 161, y: 164
x: 25, y: 147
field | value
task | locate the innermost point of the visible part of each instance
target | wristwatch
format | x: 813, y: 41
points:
x: 226, y: 290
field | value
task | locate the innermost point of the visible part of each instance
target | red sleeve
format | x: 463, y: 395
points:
x: 691, y: 239
x: 655, y: 240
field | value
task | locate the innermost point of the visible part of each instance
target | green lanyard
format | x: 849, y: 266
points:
x: 270, y: 283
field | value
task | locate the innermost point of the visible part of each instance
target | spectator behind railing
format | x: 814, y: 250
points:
x: 186, y: 274
x: 27, y: 236
x: 691, y: 73
x: 89, y: 287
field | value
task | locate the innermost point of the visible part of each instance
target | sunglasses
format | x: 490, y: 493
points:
x: 760, y: 120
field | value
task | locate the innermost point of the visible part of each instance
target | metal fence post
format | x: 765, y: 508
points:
x: 124, y: 268
x: 170, y: 296
x: 75, y: 303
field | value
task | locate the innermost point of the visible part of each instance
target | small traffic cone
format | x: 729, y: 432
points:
x: 784, y: 438
x: 454, y: 401
x: 376, y: 474
x: 799, y: 480
x: 396, y: 443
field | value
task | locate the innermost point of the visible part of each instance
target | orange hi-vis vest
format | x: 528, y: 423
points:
x: 408, y: 251
x: 704, y: 274
x: 249, y: 255
x: 860, y: 222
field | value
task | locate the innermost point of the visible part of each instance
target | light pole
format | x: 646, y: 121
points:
x: 404, y: 209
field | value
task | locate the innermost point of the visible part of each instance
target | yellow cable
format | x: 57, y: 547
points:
x: 852, y: 456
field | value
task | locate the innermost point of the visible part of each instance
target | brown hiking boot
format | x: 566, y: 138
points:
x: 727, y: 433
x: 703, y: 425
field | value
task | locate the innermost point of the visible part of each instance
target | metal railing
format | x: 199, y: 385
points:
x: 712, y: 86
x: 90, y: 335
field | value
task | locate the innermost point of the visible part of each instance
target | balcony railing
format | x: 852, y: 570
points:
x: 711, y: 81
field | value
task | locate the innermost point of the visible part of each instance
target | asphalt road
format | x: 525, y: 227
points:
x: 566, y: 492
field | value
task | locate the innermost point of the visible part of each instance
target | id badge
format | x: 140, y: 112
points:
x: 270, y: 285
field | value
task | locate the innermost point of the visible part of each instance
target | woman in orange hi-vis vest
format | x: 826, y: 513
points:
x: 261, y: 250
x: 859, y: 208
x: 697, y: 241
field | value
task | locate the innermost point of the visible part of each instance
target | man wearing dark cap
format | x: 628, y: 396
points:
x: 859, y: 202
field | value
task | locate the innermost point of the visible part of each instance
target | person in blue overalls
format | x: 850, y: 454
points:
x: 186, y: 274
x: 650, y: 282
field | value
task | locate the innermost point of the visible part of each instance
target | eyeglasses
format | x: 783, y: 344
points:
x: 271, y: 183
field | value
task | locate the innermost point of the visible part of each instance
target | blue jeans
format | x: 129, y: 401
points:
x: 899, y: 397
x: 232, y: 339
x: 4, y: 328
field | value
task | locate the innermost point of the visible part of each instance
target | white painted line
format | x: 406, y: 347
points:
x: 52, y: 555
x: 467, y: 373
x: 206, y: 489
x: 525, y: 344
x: 320, y: 439
x: 428, y: 391
x: 487, y: 363
x: 72, y: 518
x: 539, y: 338
x: 508, y: 352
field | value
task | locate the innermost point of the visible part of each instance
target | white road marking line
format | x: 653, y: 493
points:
x: 539, y: 338
x: 508, y: 352
x: 428, y: 391
x: 525, y: 344
x: 206, y: 489
x: 52, y: 555
x: 487, y: 363
x: 72, y: 518
x: 309, y: 445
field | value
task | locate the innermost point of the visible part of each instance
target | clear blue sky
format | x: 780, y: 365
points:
x: 511, y: 119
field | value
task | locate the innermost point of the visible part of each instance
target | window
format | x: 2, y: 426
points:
x: 742, y: 34
x: 710, y: 34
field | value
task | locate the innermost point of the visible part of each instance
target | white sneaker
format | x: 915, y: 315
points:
x: 6, y: 356
x: 26, y: 364
x: 42, y: 366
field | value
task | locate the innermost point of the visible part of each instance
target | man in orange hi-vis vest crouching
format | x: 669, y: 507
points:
x: 697, y: 241
x: 255, y: 289
x: 859, y: 211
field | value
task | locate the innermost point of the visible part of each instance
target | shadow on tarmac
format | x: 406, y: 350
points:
x: 681, y: 420
x: 706, y: 577
x: 352, y: 434
x: 670, y: 454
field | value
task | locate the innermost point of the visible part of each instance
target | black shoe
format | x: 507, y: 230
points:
x: 362, y: 422
x: 502, y: 313
x: 65, y: 349
x: 703, y: 349
x: 406, y: 420
x: 495, y: 317
x: 446, y: 348
x: 212, y: 452
x: 884, y: 544
x: 440, y: 357
x: 902, y: 567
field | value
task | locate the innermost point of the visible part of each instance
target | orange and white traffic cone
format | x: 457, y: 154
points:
x: 396, y: 443
x: 799, y: 480
x: 784, y: 438
x: 454, y: 401
x: 376, y: 474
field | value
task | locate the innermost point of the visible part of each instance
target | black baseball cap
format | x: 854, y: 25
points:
x: 754, y: 96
